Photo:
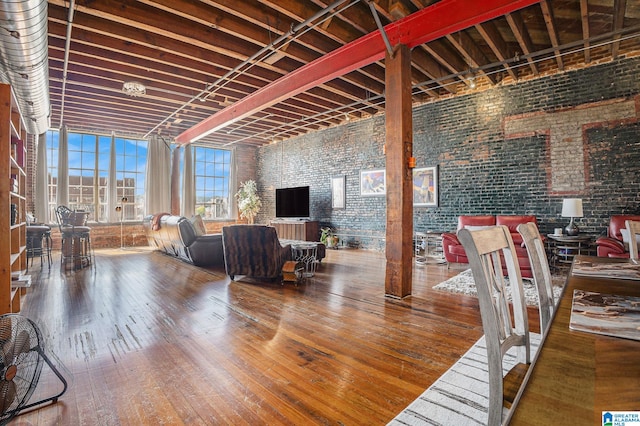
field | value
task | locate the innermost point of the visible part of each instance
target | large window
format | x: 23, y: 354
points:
x: 88, y: 171
x: 212, y: 169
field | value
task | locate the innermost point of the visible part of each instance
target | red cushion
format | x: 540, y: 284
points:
x: 488, y: 220
x: 617, y: 222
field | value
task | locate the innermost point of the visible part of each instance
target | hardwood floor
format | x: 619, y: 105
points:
x: 145, y: 339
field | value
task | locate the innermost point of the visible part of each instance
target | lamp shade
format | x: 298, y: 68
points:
x: 572, y: 207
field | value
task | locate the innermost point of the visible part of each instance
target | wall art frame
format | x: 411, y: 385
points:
x: 425, y: 187
x: 338, y: 192
x: 373, y: 183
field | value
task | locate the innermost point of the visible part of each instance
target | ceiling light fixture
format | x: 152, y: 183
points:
x: 133, y: 88
x: 472, y: 82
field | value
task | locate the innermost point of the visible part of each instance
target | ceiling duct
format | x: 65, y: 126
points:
x: 24, y: 59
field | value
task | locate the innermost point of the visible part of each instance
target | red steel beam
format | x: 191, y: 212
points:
x: 428, y: 24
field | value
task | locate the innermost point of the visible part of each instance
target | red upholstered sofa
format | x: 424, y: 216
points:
x: 613, y: 244
x: 454, y: 251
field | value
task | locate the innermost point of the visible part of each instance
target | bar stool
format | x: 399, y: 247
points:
x: 38, y: 243
x: 76, y: 238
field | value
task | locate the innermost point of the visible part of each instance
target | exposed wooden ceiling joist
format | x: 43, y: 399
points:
x: 177, y: 48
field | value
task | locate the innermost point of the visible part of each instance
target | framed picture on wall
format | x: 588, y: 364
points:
x: 425, y: 187
x: 373, y: 183
x: 338, y: 191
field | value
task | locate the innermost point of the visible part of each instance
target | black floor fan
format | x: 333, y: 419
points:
x: 22, y: 355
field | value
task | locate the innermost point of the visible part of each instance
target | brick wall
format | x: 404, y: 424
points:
x: 517, y: 149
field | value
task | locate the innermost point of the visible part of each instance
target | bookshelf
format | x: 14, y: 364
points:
x: 13, y: 255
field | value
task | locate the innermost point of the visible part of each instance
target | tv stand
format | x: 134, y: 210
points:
x: 297, y: 229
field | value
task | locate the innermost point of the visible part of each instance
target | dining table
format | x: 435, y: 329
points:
x: 578, y: 376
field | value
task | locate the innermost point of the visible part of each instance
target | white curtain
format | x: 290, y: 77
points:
x: 62, y: 196
x: 158, y: 177
x: 112, y: 188
x: 188, y: 199
x: 42, y: 185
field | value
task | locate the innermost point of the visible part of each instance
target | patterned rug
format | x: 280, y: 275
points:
x: 463, y: 283
x: 461, y: 395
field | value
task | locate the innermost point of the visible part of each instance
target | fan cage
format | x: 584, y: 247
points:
x: 21, y: 360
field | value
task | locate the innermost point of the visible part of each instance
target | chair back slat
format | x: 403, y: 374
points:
x: 540, y: 271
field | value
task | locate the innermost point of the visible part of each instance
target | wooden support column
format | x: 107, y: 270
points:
x: 399, y: 148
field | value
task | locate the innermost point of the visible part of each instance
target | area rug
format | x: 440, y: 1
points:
x: 463, y: 283
x: 461, y: 395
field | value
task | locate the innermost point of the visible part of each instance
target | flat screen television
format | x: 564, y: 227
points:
x: 292, y: 202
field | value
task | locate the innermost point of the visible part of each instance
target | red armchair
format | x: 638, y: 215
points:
x: 452, y: 247
x: 454, y: 252
x: 613, y: 244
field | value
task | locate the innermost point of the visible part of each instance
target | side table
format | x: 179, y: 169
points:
x: 306, y: 253
x: 428, y: 244
x: 563, y: 248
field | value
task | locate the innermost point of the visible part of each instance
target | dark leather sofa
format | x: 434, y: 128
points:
x: 613, y: 244
x: 454, y: 251
x: 178, y: 237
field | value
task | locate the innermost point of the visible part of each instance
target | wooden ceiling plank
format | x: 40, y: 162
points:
x: 474, y: 57
x: 547, y: 13
x: 168, y: 59
x: 446, y: 56
x: 491, y: 35
x: 305, y: 49
x: 137, y: 36
x: 620, y: 8
x: 522, y: 36
x: 433, y: 69
x: 180, y: 80
x: 586, y: 34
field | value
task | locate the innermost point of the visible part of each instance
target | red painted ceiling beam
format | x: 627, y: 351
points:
x: 428, y: 24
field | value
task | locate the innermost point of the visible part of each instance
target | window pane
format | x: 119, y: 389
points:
x: 211, y: 168
x: 131, y: 161
x: 82, y: 163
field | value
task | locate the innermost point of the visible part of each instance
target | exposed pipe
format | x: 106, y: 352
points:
x: 376, y: 18
x: 67, y: 48
x: 24, y: 59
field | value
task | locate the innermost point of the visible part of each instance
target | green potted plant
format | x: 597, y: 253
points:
x: 328, y: 237
x: 248, y: 200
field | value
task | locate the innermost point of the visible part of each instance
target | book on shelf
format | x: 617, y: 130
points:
x: 628, y: 270
x: 20, y: 280
x: 607, y: 314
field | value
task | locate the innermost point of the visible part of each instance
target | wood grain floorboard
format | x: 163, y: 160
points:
x: 145, y: 339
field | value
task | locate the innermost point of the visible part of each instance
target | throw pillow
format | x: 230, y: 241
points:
x: 198, y: 225
x: 476, y: 227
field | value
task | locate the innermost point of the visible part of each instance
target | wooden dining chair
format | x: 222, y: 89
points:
x: 540, y: 271
x: 633, y: 226
x: 488, y: 250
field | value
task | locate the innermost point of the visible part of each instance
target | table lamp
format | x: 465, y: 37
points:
x: 572, y: 207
